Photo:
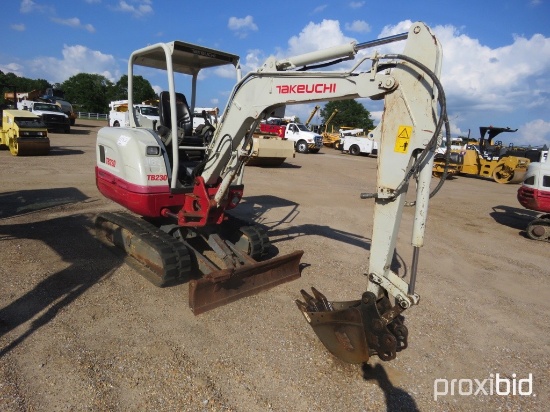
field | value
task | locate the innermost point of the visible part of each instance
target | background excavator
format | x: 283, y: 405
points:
x: 179, y: 188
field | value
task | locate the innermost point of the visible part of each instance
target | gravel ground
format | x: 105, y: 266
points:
x: 81, y: 330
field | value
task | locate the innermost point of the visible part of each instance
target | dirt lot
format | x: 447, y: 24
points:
x: 81, y: 330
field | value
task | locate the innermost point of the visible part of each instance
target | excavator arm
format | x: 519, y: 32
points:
x: 414, y: 114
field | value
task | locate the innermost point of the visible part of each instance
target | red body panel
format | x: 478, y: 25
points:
x: 145, y: 201
x: 534, y: 199
x: 195, y: 208
x: 279, y: 130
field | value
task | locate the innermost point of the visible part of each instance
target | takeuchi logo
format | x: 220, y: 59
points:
x: 307, y: 88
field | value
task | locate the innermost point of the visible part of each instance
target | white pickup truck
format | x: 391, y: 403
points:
x: 50, y: 113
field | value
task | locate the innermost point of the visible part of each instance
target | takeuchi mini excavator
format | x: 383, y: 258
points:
x: 179, y: 190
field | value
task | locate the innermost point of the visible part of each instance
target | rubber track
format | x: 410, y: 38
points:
x: 539, y: 222
x: 259, y: 241
x: 176, y: 260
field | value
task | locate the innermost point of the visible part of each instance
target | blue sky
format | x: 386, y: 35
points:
x: 496, y: 68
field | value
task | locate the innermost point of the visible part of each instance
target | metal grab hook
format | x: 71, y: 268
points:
x: 356, y: 330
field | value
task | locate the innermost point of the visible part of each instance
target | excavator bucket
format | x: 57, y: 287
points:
x: 356, y: 330
x: 227, y: 285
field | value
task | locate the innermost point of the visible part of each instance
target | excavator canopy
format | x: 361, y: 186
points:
x: 187, y: 58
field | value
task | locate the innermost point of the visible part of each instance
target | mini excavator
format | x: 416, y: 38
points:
x: 179, y: 187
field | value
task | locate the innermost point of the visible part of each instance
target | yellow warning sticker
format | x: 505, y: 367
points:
x: 404, y: 134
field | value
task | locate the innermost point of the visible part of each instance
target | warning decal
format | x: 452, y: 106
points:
x: 404, y: 134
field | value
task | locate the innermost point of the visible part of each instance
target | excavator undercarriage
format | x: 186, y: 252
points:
x: 219, y: 269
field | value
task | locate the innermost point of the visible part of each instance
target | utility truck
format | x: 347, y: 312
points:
x: 118, y: 113
x: 355, y: 142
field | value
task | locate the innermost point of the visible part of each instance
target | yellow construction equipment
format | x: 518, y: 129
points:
x: 311, y: 115
x: 24, y: 133
x: 485, y: 159
x: 330, y: 139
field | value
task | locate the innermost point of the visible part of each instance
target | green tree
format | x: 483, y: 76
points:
x: 22, y: 84
x: 350, y: 113
x: 88, y: 92
x: 142, y: 89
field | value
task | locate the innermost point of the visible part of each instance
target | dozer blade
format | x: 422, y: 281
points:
x: 228, y: 285
x: 356, y: 330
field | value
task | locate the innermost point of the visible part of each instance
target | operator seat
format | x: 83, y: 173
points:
x: 184, y: 120
x: 183, y: 114
x: 189, y: 158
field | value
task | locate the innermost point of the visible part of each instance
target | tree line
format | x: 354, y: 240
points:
x: 92, y: 93
x: 87, y: 92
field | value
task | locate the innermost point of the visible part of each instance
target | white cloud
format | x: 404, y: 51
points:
x: 157, y: 88
x: 503, y: 86
x: 501, y: 79
x: 243, y: 26
x: 137, y: 8
x: 320, y: 8
x: 27, y: 6
x: 76, y: 59
x: 14, y: 68
x: 356, y: 4
x: 316, y: 37
x: 75, y: 23
x: 376, y: 116
x: 359, y: 26
x: 18, y: 27
x: 535, y: 133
